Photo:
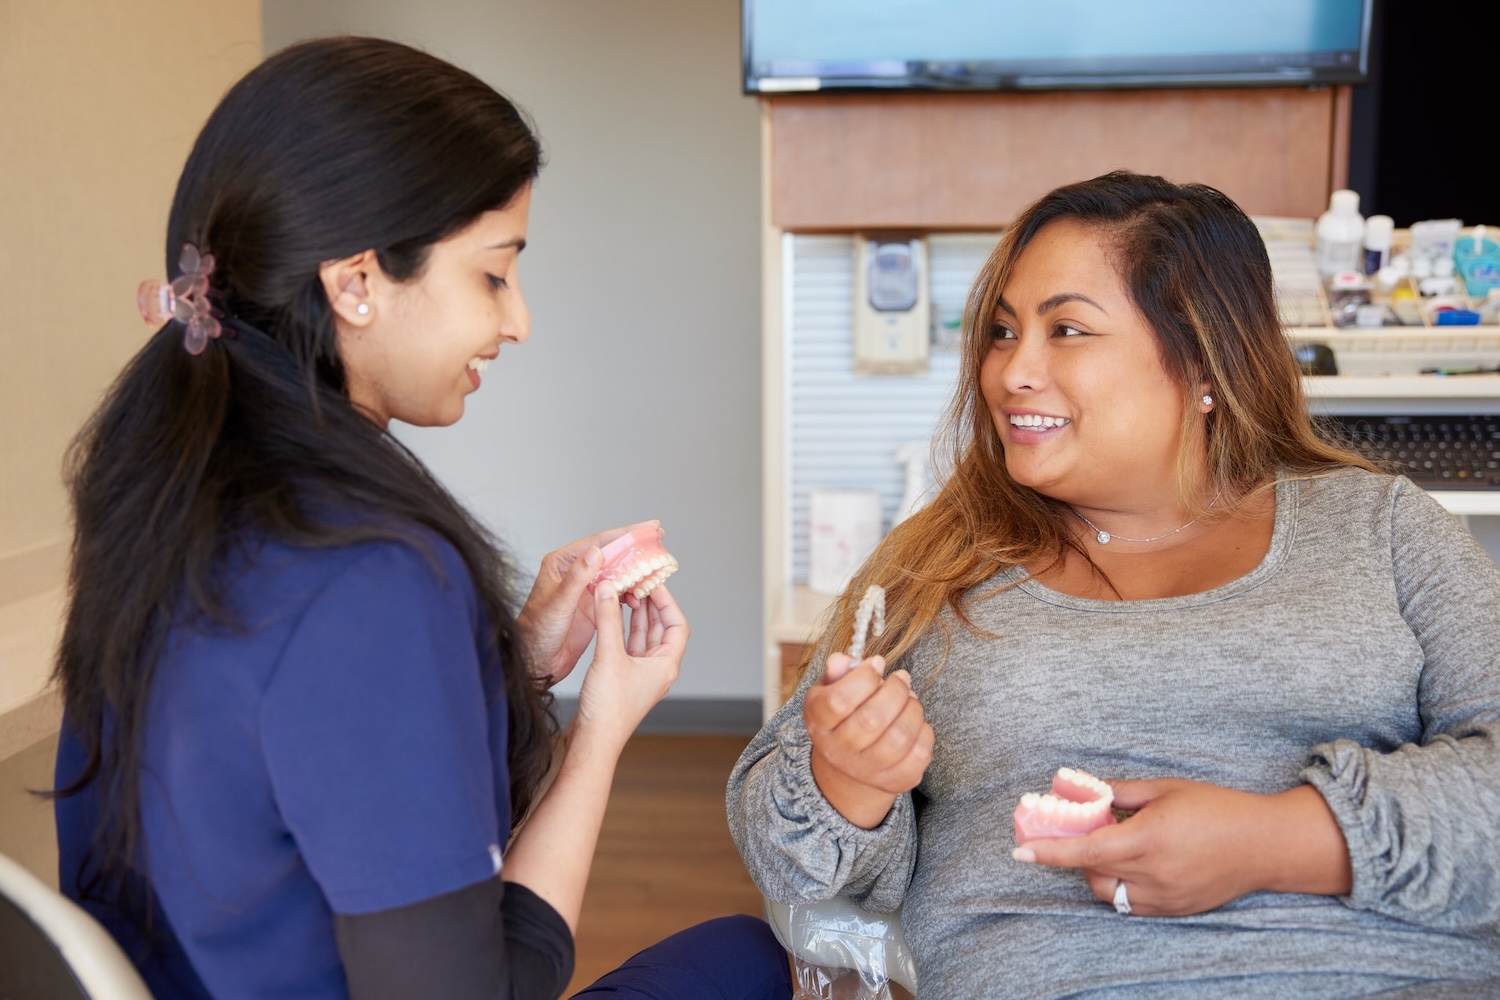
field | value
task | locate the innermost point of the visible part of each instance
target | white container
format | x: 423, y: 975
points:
x: 843, y: 529
x: 1340, y: 233
x: 914, y: 456
x: 1378, y: 232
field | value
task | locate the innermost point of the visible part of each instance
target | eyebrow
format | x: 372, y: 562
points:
x: 517, y: 242
x: 1062, y: 298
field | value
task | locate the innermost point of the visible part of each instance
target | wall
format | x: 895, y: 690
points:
x: 99, y: 103
x: 638, y: 394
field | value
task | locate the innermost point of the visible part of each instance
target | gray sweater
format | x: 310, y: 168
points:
x: 1361, y: 656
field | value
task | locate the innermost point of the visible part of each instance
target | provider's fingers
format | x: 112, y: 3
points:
x: 609, y: 621
x: 674, y: 624
x: 655, y: 630
x: 666, y: 606
x: 636, y: 644
x: 603, y: 538
x: 578, y: 574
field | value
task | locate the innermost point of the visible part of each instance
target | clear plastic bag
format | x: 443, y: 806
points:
x: 841, y: 952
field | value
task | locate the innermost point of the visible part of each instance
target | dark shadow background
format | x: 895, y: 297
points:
x: 1423, y: 133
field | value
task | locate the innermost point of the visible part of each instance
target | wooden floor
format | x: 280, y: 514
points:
x: 665, y: 859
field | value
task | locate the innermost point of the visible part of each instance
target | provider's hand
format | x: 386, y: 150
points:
x: 870, y: 739
x: 1193, y: 846
x: 630, y: 672
x: 557, y: 621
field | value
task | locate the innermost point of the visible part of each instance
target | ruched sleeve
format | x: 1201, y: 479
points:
x: 1422, y: 822
x: 797, y: 847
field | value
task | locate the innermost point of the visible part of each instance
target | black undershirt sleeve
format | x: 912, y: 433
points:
x: 491, y: 941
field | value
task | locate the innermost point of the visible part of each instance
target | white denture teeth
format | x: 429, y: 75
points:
x: 479, y: 364
x: 646, y: 575
x: 1083, y: 779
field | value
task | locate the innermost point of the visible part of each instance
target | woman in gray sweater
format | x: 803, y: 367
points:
x: 1146, y: 564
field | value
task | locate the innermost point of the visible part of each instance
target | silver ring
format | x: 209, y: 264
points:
x: 1122, y: 901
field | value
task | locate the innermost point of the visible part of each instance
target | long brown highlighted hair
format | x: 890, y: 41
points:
x: 1196, y: 267
x: 329, y: 147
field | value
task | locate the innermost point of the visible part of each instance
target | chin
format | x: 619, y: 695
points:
x: 1032, y: 479
x: 444, y: 419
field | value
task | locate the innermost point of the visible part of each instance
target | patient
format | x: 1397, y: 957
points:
x: 1147, y: 565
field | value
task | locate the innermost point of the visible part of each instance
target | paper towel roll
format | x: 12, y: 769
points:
x: 843, y: 529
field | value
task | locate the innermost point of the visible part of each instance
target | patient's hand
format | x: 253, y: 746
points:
x: 870, y: 739
x: 1193, y: 846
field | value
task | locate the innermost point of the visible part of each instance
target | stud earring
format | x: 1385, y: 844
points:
x: 364, y: 310
x: 1208, y: 400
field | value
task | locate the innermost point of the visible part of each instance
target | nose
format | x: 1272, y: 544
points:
x: 516, y: 325
x: 1025, y: 364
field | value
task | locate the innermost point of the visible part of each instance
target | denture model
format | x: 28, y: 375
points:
x: 1079, y: 803
x: 635, y: 563
x: 868, y: 617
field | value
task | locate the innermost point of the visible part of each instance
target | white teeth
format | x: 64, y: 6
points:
x: 479, y: 364
x: 1037, y: 420
x: 644, y: 576
x: 1053, y: 804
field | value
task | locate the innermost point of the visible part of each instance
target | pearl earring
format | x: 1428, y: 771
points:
x: 1208, y: 400
x: 364, y: 310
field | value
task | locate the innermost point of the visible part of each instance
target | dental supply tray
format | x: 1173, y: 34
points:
x: 1396, y: 348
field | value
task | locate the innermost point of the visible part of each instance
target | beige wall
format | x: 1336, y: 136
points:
x: 99, y: 103
x: 638, y: 394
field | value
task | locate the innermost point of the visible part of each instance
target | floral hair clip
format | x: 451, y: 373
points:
x: 184, y: 299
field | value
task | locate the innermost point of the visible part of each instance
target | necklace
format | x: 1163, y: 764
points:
x: 1106, y: 537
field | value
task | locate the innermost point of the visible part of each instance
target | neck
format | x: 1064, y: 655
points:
x: 1138, y: 527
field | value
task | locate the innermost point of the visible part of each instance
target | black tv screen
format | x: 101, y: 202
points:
x: 819, y: 45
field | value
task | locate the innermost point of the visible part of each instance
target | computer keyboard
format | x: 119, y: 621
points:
x: 1443, y: 452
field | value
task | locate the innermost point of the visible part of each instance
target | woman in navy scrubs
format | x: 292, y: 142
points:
x: 304, y: 719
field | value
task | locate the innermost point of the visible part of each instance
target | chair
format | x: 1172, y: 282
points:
x: 51, y: 949
x: 837, y: 935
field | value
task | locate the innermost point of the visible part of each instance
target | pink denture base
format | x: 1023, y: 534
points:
x: 635, y: 562
x: 1079, y: 803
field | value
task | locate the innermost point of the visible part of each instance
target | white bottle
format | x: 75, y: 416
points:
x: 1340, y: 234
x: 914, y: 455
x: 1378, y: 231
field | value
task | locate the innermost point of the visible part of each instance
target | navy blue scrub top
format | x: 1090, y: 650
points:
x: 343, y: 752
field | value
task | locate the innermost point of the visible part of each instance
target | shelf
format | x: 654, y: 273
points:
x: 1415, y: 387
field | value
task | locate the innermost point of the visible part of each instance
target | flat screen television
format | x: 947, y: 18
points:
x: 974, y: 45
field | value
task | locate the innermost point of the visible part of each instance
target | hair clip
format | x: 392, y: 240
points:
x: 184, y: 299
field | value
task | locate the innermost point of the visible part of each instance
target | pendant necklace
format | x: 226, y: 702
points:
x: 1105, y: 537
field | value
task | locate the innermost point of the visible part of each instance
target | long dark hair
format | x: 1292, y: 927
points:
x: 1196, y: 267
x: 328, y: 148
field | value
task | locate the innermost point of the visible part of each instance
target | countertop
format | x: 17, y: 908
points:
x: 798, y: 614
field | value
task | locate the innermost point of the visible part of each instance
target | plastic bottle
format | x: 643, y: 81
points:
x: 1378, y: 231
x: 1477, y: 261
x: 1340, y: 234
x: 914, y: 456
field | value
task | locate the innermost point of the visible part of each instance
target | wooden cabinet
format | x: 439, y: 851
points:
x: 932, y: 162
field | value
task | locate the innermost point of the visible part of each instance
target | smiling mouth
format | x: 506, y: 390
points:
x: 1033, y: 421
x: 478, y: 364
